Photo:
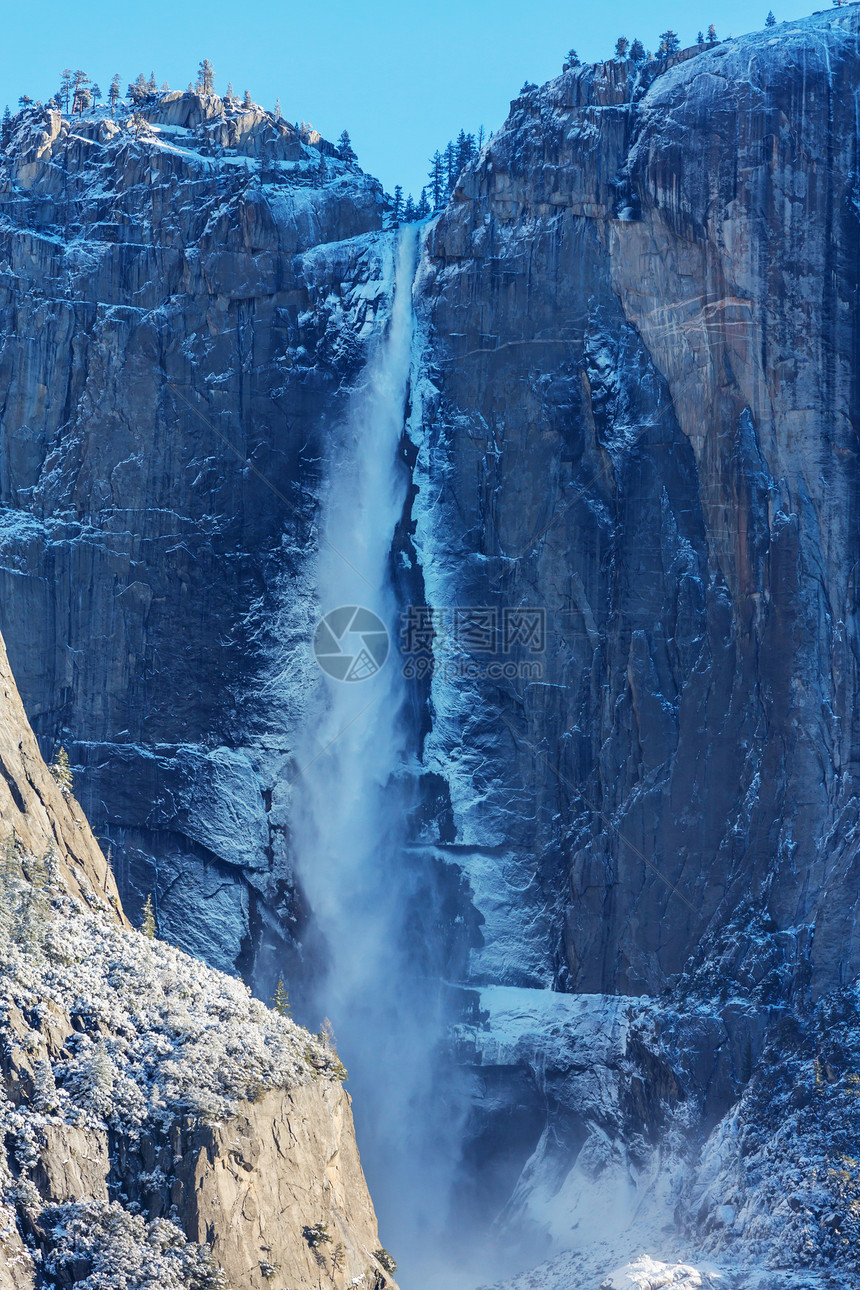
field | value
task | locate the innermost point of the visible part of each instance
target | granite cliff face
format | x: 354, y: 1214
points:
x: 180, y: 305
x: 637, y: 412
x: 667, y: 276
x: 159, y: 1125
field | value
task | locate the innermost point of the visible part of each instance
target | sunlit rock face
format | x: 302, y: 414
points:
x: 182, y: 300
x: 640, y: 414
x: 159, y: 1126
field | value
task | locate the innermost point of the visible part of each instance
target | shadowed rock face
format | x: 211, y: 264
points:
x: 639, y: 351
x: 180, y: 305
x: 640, y: 414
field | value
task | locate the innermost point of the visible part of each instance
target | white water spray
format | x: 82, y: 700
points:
x: 352, y: 798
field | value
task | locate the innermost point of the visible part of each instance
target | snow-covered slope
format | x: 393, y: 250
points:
x: 160, y: 1126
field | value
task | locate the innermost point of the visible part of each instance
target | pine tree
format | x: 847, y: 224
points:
x: 397, y: 204
x: 637, y: 51
x: 96, y: 94
x: 10, y: 869
x: 409, y: 210
x: 573, y: 58
x: 147, y: 926
x: 80, y: 81
x: 36, y: 875
x: 437, y: 180
x: 101, y: 1073
x: 479, y: 142
x: 51, y: 866
x: 66, y: 77
x: 137, y: 91
x: 247, y: 101
x: 622, y: 44
x: 165, y: 87
x: 206, y: 75
x: 466, y: 149
x: 44, y: 1087
x: 278, y: 113
x: 669, y: 43
x: 770, y: 21
x: 345, y: 148
x: 10, y: 885
x: 422, y: 210
x: 281, y: 1000
x: 712, y: 35
x: 230, y: 94
x: 62, y: 772
x: 461, y: 152
x: 700, y: 40
x: 113, y: 94
x: 6, y: 127
x: 33, y: 907
x: 451, y: 171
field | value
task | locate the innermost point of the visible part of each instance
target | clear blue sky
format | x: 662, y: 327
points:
x: 401, y: 77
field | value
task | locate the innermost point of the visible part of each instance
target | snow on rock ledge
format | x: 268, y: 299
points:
x: 159, y: 1123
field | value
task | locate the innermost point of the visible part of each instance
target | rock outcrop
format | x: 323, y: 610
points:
x: 666, y: 274
x: 158, y: 1122
x: 41, y: 814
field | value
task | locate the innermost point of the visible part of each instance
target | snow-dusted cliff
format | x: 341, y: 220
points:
x: 637, y: 413
x: 159, y: 1124
x: 180, y: 307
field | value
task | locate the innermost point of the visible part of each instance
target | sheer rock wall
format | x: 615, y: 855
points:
x: 181, y: 304
x: 640, y: 415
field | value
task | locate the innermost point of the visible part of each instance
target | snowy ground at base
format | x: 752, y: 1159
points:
x: 775, y: 1181
x: 585, y: 1270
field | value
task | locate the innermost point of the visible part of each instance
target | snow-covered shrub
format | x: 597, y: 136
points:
x: 158, y: 1034
x: 115, y: 1250
x: 316, y: 1235
x: 149, y: 1036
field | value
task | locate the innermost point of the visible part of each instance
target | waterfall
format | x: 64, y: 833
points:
x: 351, y: 801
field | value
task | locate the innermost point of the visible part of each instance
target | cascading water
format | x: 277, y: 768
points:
x: 352, y: 798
